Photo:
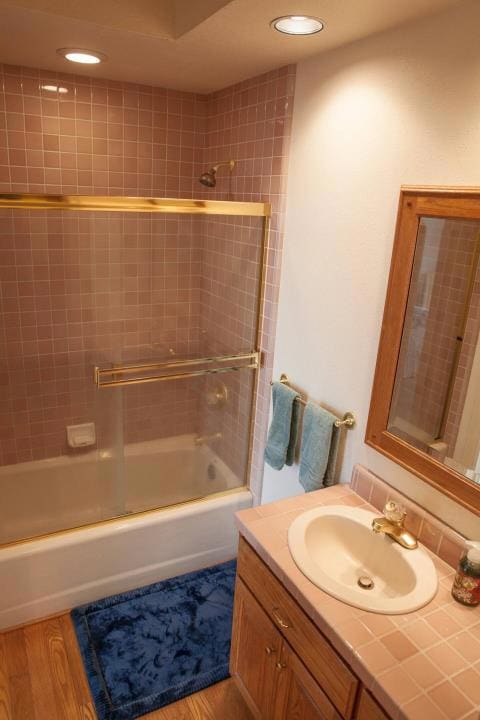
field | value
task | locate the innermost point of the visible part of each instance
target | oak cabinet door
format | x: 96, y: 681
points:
x: 256, y: 646
x: 299, y: 697
x: 368, y: 708
x: 304, y: 638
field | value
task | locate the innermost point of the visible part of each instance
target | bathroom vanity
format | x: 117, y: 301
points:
x: 284, y: 665
x: 299, y: 653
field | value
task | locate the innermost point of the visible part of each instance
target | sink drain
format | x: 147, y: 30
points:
x: 365, y: 582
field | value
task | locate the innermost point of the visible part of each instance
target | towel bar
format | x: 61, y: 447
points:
x: 116, y: 376
x: 348, y: 419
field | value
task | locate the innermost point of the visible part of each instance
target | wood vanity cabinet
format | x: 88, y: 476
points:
x: 368, y: 708
x: 256, y: 646
x: 283, y: 665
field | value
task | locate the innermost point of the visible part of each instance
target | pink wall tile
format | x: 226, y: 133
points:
x: 251, y: 123
x: 79, y: 289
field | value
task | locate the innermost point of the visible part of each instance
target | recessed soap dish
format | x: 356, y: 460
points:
x: 81, y: 436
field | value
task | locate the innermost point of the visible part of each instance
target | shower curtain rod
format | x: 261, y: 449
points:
x: 115, y: 203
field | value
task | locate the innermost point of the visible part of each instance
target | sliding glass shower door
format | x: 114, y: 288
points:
x: 166, y: 306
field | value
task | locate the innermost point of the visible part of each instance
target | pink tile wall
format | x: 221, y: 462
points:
x: 100, y: 137
x: 251, y: 124
x: 230, y: 282
x: 80, y: 289
x: 134, y: 286
x: 229, y: 299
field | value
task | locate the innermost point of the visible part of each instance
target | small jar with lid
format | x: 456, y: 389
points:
x: 466, y: 585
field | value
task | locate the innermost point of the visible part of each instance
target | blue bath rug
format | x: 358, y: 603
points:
x: 146, y: 648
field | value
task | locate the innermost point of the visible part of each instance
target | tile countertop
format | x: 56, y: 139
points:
x: 424, y: 665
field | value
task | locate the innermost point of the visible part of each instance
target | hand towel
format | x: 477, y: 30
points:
x: 318, y: 453
x: 329, y: 477
x: 282, y: 436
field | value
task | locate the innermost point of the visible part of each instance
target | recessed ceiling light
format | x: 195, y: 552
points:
x: 298, y: 24
x: 87, y: 57
x: 55, y: 89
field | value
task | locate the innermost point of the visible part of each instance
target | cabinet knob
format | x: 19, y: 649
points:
x: 281, y: 665
x: 269, y: 650
x: 279, y: 620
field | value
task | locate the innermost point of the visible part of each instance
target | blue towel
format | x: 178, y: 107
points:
x: 318, y: 453
x: 282, y: 436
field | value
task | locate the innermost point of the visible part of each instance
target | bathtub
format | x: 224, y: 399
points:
x: 51, y: 574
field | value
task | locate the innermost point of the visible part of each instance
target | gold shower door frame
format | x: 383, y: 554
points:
x: 115, y: 203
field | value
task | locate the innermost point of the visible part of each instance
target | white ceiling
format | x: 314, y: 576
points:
x: 187, y: 44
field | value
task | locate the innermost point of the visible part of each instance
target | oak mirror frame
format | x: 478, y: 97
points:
x: 417, y: 205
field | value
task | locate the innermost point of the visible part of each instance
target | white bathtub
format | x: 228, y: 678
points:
x: 44, y: 496
x: 48, y: 575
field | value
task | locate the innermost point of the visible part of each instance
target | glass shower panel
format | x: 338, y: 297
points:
x: 57, y: 283
x: 186, y: 439
x: 112, y: 289
x: 231, y: 274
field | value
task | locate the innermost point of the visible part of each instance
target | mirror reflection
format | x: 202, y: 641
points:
x: 436, y: 399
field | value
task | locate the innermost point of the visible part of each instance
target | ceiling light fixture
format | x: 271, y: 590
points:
x: 55, y: 89
x: 86, y: 57
x: 298, y: 24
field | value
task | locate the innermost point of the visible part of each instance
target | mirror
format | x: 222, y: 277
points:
x: 425, y: 408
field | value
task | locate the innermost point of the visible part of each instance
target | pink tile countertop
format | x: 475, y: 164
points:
x: 423, y: 665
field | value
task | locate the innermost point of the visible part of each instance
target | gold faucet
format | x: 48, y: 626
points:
x: 392, y: 524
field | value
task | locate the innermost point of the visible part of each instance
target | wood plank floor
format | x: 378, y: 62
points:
x: 42, y: 678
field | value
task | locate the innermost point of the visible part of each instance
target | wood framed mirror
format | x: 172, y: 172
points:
x: 425, y: 404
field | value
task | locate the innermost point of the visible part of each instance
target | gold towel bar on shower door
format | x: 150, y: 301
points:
x: 348, y: 419
x: 116, y: 376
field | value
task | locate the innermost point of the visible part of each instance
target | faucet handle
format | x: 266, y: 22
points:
x: 394, y: 512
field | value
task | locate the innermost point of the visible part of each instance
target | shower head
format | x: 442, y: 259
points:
x: 209, y: 178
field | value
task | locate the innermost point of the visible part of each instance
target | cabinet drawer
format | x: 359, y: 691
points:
x: 368, y: 708
x: 334, y: 677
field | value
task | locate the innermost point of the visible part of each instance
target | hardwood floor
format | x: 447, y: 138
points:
x: 42, y: 678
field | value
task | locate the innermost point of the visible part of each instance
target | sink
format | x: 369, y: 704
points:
x: 336, y: 548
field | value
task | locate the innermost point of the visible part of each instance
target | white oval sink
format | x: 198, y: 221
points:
x: 335, y: 547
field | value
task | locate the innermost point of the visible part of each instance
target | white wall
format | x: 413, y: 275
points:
x: 400, y: 108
